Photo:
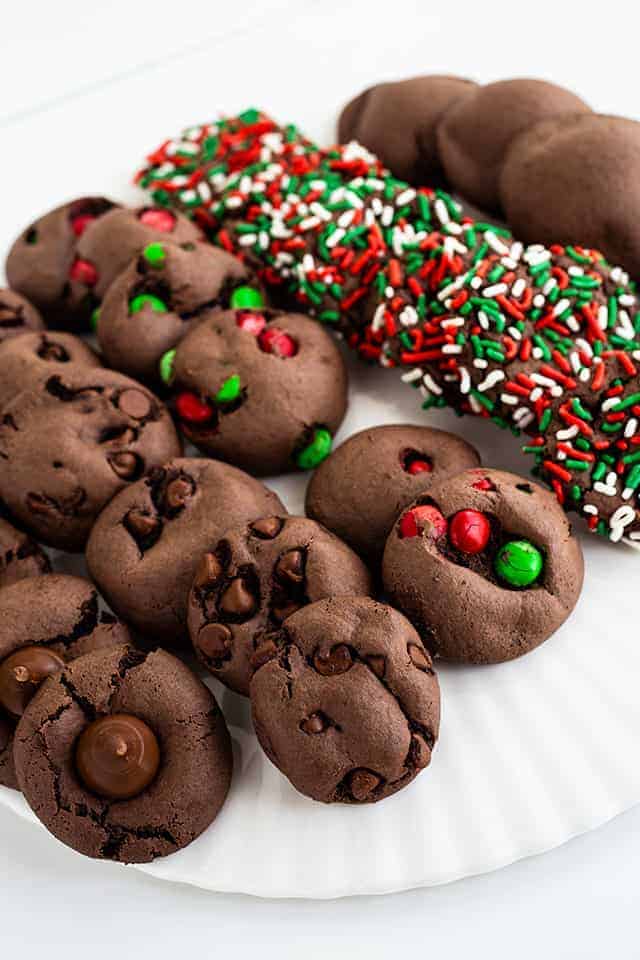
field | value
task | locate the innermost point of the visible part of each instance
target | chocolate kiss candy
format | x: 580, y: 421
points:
x: 290, y: 566
x: 237, y: 599
x: 208, y: 571
x: 117, y: 756
x: 267, y: 528
x: 21, y: 674
x: 214, y: 640
x: 362, y: 783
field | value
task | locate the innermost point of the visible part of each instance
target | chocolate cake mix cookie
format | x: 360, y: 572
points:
x: 398, y: 121
x: 475, y: 133
x: 17, y: 315
x: 150, y: 307
x: 254, y: 578
x: 47, y: 621
x: 263, y: 389
x: 485, y: 565
x: 146, y: 544
x: 345, y: 700
x: 42, y: 262
x: 361, y: 488
x: 576, y: 179
x: 70, y: 442
x: 26, y: 359
x: 20, y: 556
x: 125, y: 755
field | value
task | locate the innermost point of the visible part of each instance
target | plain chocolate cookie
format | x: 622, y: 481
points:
x: 20, y: 556
x: 26, y: 359
x: 41, y: 260
x: 485, y: 565
x: 361, y: 488
x: 345, y: 700
x: 46, y: 622
x: 69, y: 443
x: 125, y: 755
x: 17, y: 315
x: 474, y: 134
x: 397, y: 121
x: 254, y: 578
x: 145, y: 546
x: 576, y: 180
x: 150, y: 307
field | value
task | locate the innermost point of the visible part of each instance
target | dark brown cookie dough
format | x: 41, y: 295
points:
x: 17, y: 315
x: 146, y: 544
x: 345, y: 700
x: 361, y: 488
x: 265, y: 390
x: 576, y: 180
x: 475, y: 133
x: 69, y: 443
x: 46, y: 622
x: 397, y: 121
x: 20, y: 556
x: 126, y: 723
x: 26, y: 359
x: 485, y: 565
x: 150, y: 307
x: 40, y: 261
x: 254, y: 578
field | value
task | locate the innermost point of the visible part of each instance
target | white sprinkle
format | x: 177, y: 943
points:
x: 572, y: 323
x: 590, y: 508
x: 603, y: 488
x: 476, y: 407
x: 495, y: 242
x: 452, y: 348
x: 335, y: 237
x: 408, y: 316
x: 431, y: 385
x: 584, y: 375
x: 568, y: 434
x: 524, y: 417
x: 626, y: 300
x: 441, y: 212
x: 345, y: 219
x: 509, y: 263
x: 387, y: 216
x: 480, y: 363
x: 518, y: 288
x: 483, y: 320
x: 536, y: 353
x: 411, y: 375
x: 247, y: 239
x: 465, y: 381
x: 490, y: 380
x: 610, y: 402
x: 495, y: 290
x: 451, y: 288
x: 561, y: 306
x: 631, y: 427
x: 549, y: 285
x: 535, y: 394
x: 602, y: 317
x: 476, y: 283
x: 309, y: 223
x: 405, y: 197
x: 509, y: 399
x: 516, y: 251
x: 514, y: 333
x: 612, y: 478
x: 538, y: 300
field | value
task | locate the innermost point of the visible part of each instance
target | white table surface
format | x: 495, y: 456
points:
x: 86, y: 90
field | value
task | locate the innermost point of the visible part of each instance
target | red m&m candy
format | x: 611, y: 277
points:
x: 469, y: 531
x: 420, y: 520
x: 192, y: 409
x: 83, y: 271
x: 483, y: 484
x: 80, y: 223
x: 158, y: 220
x: 251, y: 322
x: 277, y: 342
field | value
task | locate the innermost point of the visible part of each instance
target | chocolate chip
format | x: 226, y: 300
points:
x: 290, y: 566
x: 208, y: 571
x: 266, y: 650
x: 134, y: 404
x: 267, y: 528
x: 377, y: 663
x: 214, y: 640
x: 362, y: 783
x: 316, y: 723
x: 420, y: 751
x: 141, y: 524
x: 237, y: 599
x: 338, y: 660
x: 178, y: 492
x: 54, y: 352
x: 419, y: 658
x: 281, y: 612
x: 41, y: 505
x: 125, y: 465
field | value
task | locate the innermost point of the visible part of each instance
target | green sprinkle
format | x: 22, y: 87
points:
x: 632, y: 458
x: 572, y: 464
x: 612, y: 312
x: 316, y: 451
x: 545, y: 419
x: 483, y: 400
x: 599, y: 471
x: 611, y: 427
x: 95, y: 317
x: 627, y: 402
x: 633, y: 479
x: 165, y: 366
x: 581, y: 410
x: 575, y: 492
x: 154, y: 254
x: 245, y: 297
x: 144, y: 299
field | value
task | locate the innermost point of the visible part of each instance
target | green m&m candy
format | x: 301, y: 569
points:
x: 229, y: 391
x: 165, y: 367
x: 156, y: 304
x: 244, y: 298
x: 95, y: 316
x: 154, y: 254
x: 519, y: 563
x: 316, y: 451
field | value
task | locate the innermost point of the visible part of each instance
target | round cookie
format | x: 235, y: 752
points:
x: 485, y: 565
x: 26, y: 359
x: 17, y: 315
x: 475, y: 133
x: 345, y: 701
x: 146, y: 544
x: 397, y: 121
x: 69, y: 443
x: 150, y: 307
x: 361, y: 488
x: 264, y: 390
x: 46, y: 622
x: 254, y: 578
x: 20, y: 556
x: 40, y: 259
x: 576, y: 179
x: 125, y: 755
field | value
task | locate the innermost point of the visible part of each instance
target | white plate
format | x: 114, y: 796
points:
x: 531, y: 753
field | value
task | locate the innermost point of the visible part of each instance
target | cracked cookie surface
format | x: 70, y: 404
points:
x: 20, y: 556
x: 17, y: 315
x: 189, y: 787
x: 345, y: 701
x: 254, y: 578
x: 26, y: 359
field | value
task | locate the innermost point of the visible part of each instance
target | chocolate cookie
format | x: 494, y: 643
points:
x: 361, y: 488
x: 41, y: 260
x: 254, y: 578
x: 125, y: 755
x: 485, y: 565
x: 69, y: 443
x: 46, y: 622
x: 150, y: 307
x: 475, y: 133
x: 17, y: 315
x: 345, y: 700
x: 575, y: 179
x: 145, y: 546
x: 265, y: 390
x: 26, y: 359
x: 398, y: 121
x: 20, y: 556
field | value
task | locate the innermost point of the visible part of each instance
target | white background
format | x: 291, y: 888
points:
x: 89, y: 87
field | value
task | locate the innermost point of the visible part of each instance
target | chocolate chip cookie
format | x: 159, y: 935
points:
x: 26, y: 359
x: 124, y: 755
x: 68, y: 444
x: 254, y: 578
x: 485, y: 565
x: 146, y: 544
x: 47, y: 621
x: 20, y: 556
x: 17, y: 315
x: 345, y: 700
